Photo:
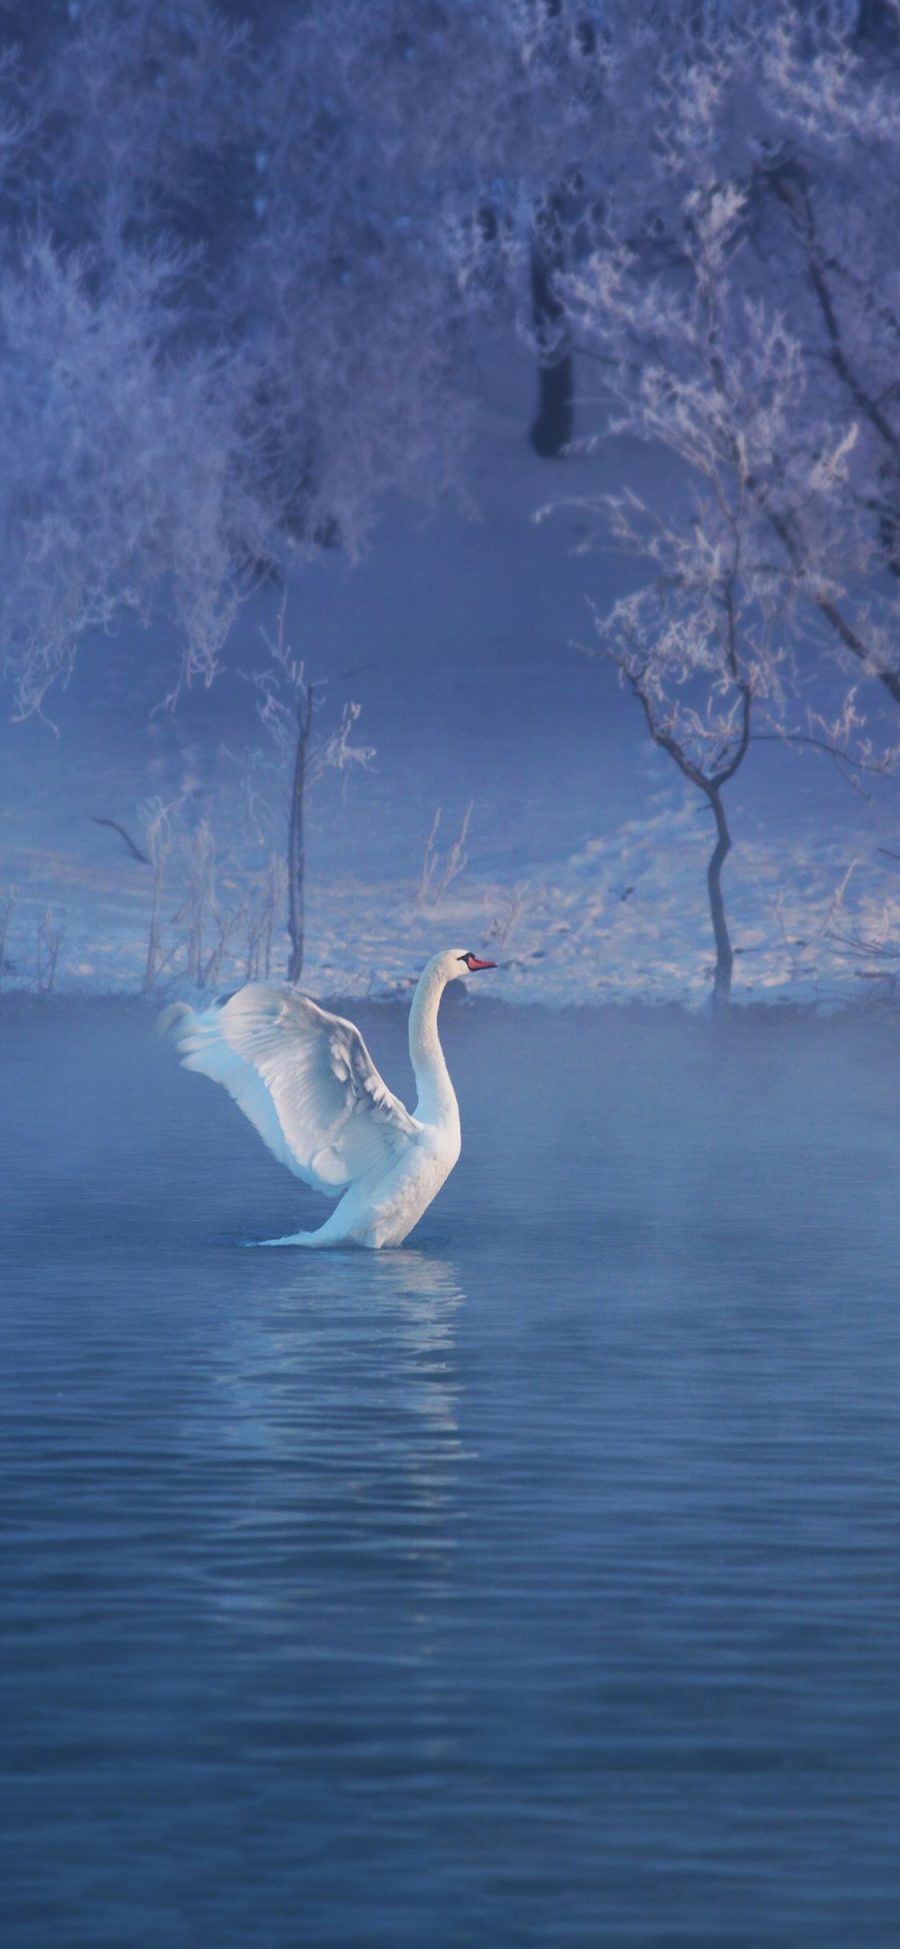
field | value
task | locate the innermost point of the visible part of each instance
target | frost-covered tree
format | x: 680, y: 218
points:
x: 786, y: 125
x: 693, y: 647
x: 118, y: 472
x: 827, y: 191
x: 717, y: 639
x: 699, y: 643
x: 731, y: 282
x: 240, y: 252
x: 229, y: 327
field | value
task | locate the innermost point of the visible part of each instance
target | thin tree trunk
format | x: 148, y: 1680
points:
x: 553, y: 426
x: 154, y: 933
x: 724, y: 949
x: 876, y: 22
x: 296, y: 839
x: 712, y: 788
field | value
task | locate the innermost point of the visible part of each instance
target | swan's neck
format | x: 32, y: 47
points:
x: 437, y: 1101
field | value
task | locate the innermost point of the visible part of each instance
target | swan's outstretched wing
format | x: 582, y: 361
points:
x: 303, y: 1077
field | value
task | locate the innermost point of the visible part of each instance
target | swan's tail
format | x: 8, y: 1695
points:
x: 295, y: 1238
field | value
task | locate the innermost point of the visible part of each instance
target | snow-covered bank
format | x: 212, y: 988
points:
x: 623, y: 918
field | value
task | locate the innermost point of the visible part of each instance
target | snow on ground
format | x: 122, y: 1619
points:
x: 586, y: 852
x: 623, y: 917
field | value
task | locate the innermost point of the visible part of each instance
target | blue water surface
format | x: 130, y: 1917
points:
x: 537, y: 1584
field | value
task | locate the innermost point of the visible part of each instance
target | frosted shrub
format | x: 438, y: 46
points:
x: 440, y: 869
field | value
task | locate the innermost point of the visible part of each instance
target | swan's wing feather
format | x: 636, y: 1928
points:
x: 304, y: 1078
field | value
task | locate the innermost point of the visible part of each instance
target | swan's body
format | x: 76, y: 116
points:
x: 307, y: 1083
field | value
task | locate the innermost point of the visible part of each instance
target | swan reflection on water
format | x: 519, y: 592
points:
x: 335, y: 1403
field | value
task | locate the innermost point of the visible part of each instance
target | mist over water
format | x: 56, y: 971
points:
x: 536, y: 1584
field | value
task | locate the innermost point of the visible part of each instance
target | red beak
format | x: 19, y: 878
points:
x: 473, y: 964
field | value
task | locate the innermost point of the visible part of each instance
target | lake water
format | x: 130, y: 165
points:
x: 538, y: 1584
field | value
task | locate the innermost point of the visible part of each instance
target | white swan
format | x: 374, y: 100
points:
x: 307, y: 1083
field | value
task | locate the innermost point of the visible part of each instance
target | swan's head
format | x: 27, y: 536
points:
x: 455, y: 962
